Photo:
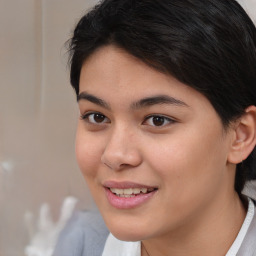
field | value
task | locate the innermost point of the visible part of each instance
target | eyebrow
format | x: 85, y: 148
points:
x: 156, y: 100
x: 145, y: 102
x: 93, y: 99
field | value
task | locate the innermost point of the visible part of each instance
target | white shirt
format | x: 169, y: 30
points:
x: 115, y: 247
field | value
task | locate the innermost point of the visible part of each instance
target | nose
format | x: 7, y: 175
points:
x: 121, y: 150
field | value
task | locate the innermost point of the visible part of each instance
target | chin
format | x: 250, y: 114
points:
x: 127, y: 236
x: 131, y: 233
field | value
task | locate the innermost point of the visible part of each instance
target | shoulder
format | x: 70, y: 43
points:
x: 85, y: 234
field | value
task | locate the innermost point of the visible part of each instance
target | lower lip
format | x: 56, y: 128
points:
x: 128, y: 202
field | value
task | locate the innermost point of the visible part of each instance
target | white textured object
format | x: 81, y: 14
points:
x: 44, y: 238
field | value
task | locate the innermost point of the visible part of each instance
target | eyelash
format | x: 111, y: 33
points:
x: 86, y: 117
x: 166, y: 120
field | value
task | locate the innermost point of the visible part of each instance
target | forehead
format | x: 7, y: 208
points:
x: 111, y: 73
x: 116, y: 65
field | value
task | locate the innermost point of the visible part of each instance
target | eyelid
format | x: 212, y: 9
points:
x: 168, y: 119
x: 86, y: 116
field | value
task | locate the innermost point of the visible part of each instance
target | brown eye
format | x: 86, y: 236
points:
x: 98, y: 118
x: 158, y: 121
x: 95, y: 118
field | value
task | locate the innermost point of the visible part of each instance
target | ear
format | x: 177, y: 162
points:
x: 244, y: 139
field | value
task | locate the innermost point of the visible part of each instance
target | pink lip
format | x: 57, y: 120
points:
x: 126, y: 202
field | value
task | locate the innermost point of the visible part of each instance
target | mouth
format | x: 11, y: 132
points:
x: 126, y: 195
x: 131, y: 192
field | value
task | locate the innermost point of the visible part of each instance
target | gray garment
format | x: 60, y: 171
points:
x: 248, y: 247
x: 86, y: 234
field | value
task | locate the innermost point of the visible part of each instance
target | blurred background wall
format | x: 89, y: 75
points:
x: 38, y: 113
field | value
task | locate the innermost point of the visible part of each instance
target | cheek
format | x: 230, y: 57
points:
x: 190, y: 163
x: 88, y: 153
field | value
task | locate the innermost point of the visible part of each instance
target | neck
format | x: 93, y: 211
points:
x: 211, y: 234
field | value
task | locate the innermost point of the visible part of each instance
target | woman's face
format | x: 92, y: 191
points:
x: 152, y: 150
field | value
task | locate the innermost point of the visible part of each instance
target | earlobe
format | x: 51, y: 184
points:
x: 244, y: 140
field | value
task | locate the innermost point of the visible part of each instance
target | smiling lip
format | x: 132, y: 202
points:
x: 131, y: 201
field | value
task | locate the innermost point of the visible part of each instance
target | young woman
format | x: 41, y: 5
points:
x: 166, y: 139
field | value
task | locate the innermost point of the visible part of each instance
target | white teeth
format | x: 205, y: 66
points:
x: 129, y: 192
x: 143, y: 190
x: 136, y: 191
x: 119, y: 191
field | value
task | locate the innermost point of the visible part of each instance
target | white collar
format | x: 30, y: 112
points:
x: 241, y: 235
x: 115, y: 247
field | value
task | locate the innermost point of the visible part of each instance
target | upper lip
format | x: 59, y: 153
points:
x: 125, y: 184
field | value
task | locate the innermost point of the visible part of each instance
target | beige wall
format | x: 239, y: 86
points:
x: 38, y: 113
x: 250, y: 7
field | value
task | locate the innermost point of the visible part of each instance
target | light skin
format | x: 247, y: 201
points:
x: 143, y: 126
